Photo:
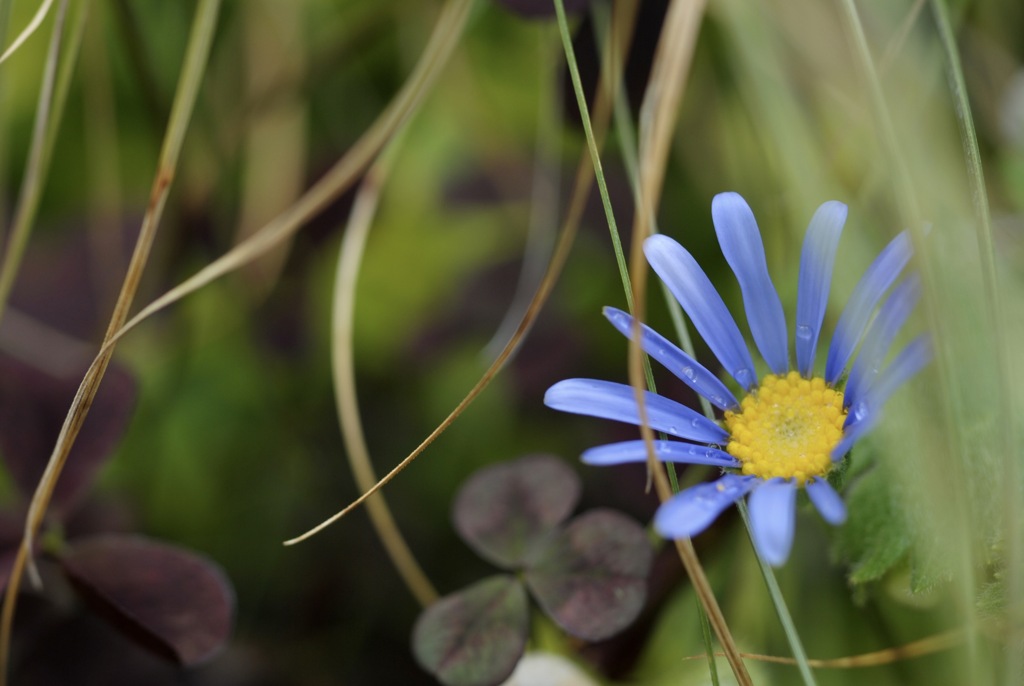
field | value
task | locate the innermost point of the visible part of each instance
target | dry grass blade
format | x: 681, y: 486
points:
x: 340, y: 177
x: 443, y: 40
x: 350, y: 257
x: 188, y: 87
x: 581, y: 188
x: 908, y: 651
x: 48, y: 111
x: 33, y: 25
x: 658, y: 115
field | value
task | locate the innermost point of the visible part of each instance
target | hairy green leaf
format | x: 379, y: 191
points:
x: 875, y: 537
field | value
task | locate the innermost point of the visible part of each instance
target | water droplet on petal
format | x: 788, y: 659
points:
x: 804, y: 332
x: 673, y: 430
x: 744, y: 377
x: 860, y: 411
x: 688, y: 372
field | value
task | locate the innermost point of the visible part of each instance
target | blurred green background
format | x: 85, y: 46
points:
x: 234, y: 445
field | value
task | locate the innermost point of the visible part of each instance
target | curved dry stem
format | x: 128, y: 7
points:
x: 33, y: 25
x: 340, y: 177
x: 658, y: 115
x: 350, y: 256
x: 188, y: 87
x: 581, y: 189
x: 445, y: 36
x: 48, y: 108
x: 565, y: 241
x: 919, y: 648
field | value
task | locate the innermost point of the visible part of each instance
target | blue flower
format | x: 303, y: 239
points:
x: 791, y: 427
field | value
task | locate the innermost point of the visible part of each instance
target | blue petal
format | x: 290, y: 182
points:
x: 816, y: 262
x: 694, y: 291
x: 616, y: 401
x: 686, y: 514
x: 773, y: 519
x: 869, y: 290
x: 853, y: 433
x: 741, y: 244
x: 829, y: 503
x: 691, y: 372
x: 865, y: 413
x: 880, y: 335
x: 909, y: 362
x: 666, y: 451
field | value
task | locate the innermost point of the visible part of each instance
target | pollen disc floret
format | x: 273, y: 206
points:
x: 788, y: 427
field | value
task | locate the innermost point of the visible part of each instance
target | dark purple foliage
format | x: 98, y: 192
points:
x: 503, y: 511
x: 172, y: 600
x: 33, y: 405
x: 589, y: 575
x: 474, y: 637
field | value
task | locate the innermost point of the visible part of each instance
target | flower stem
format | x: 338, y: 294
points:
x: 595, y: 156
x: 612, y: 72
x: 672, y: 64
x: 775, y: 593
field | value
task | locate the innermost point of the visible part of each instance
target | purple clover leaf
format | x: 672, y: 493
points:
x: 173, y: 601
x: 169, y: 600
x: 475, y: 636
x: 503, y: 511
x: 589, y: 575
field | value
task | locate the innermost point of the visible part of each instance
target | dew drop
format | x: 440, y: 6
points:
x: 695, y: 422
x: 744, y: 377
x: 804, y: 332
x: 673, y: 430
x: 688, y: 372
x: 860, y: 411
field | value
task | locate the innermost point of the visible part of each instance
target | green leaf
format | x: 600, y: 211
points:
x: 991, y: 599
x: 591, y: 578
x: 875, y: 537
x: 505, y: 510
x: 474, y: 637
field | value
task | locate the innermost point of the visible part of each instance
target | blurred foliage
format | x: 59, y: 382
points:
x: 234, y: 445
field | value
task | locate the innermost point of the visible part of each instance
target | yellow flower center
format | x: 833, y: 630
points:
x: 787, y: 427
